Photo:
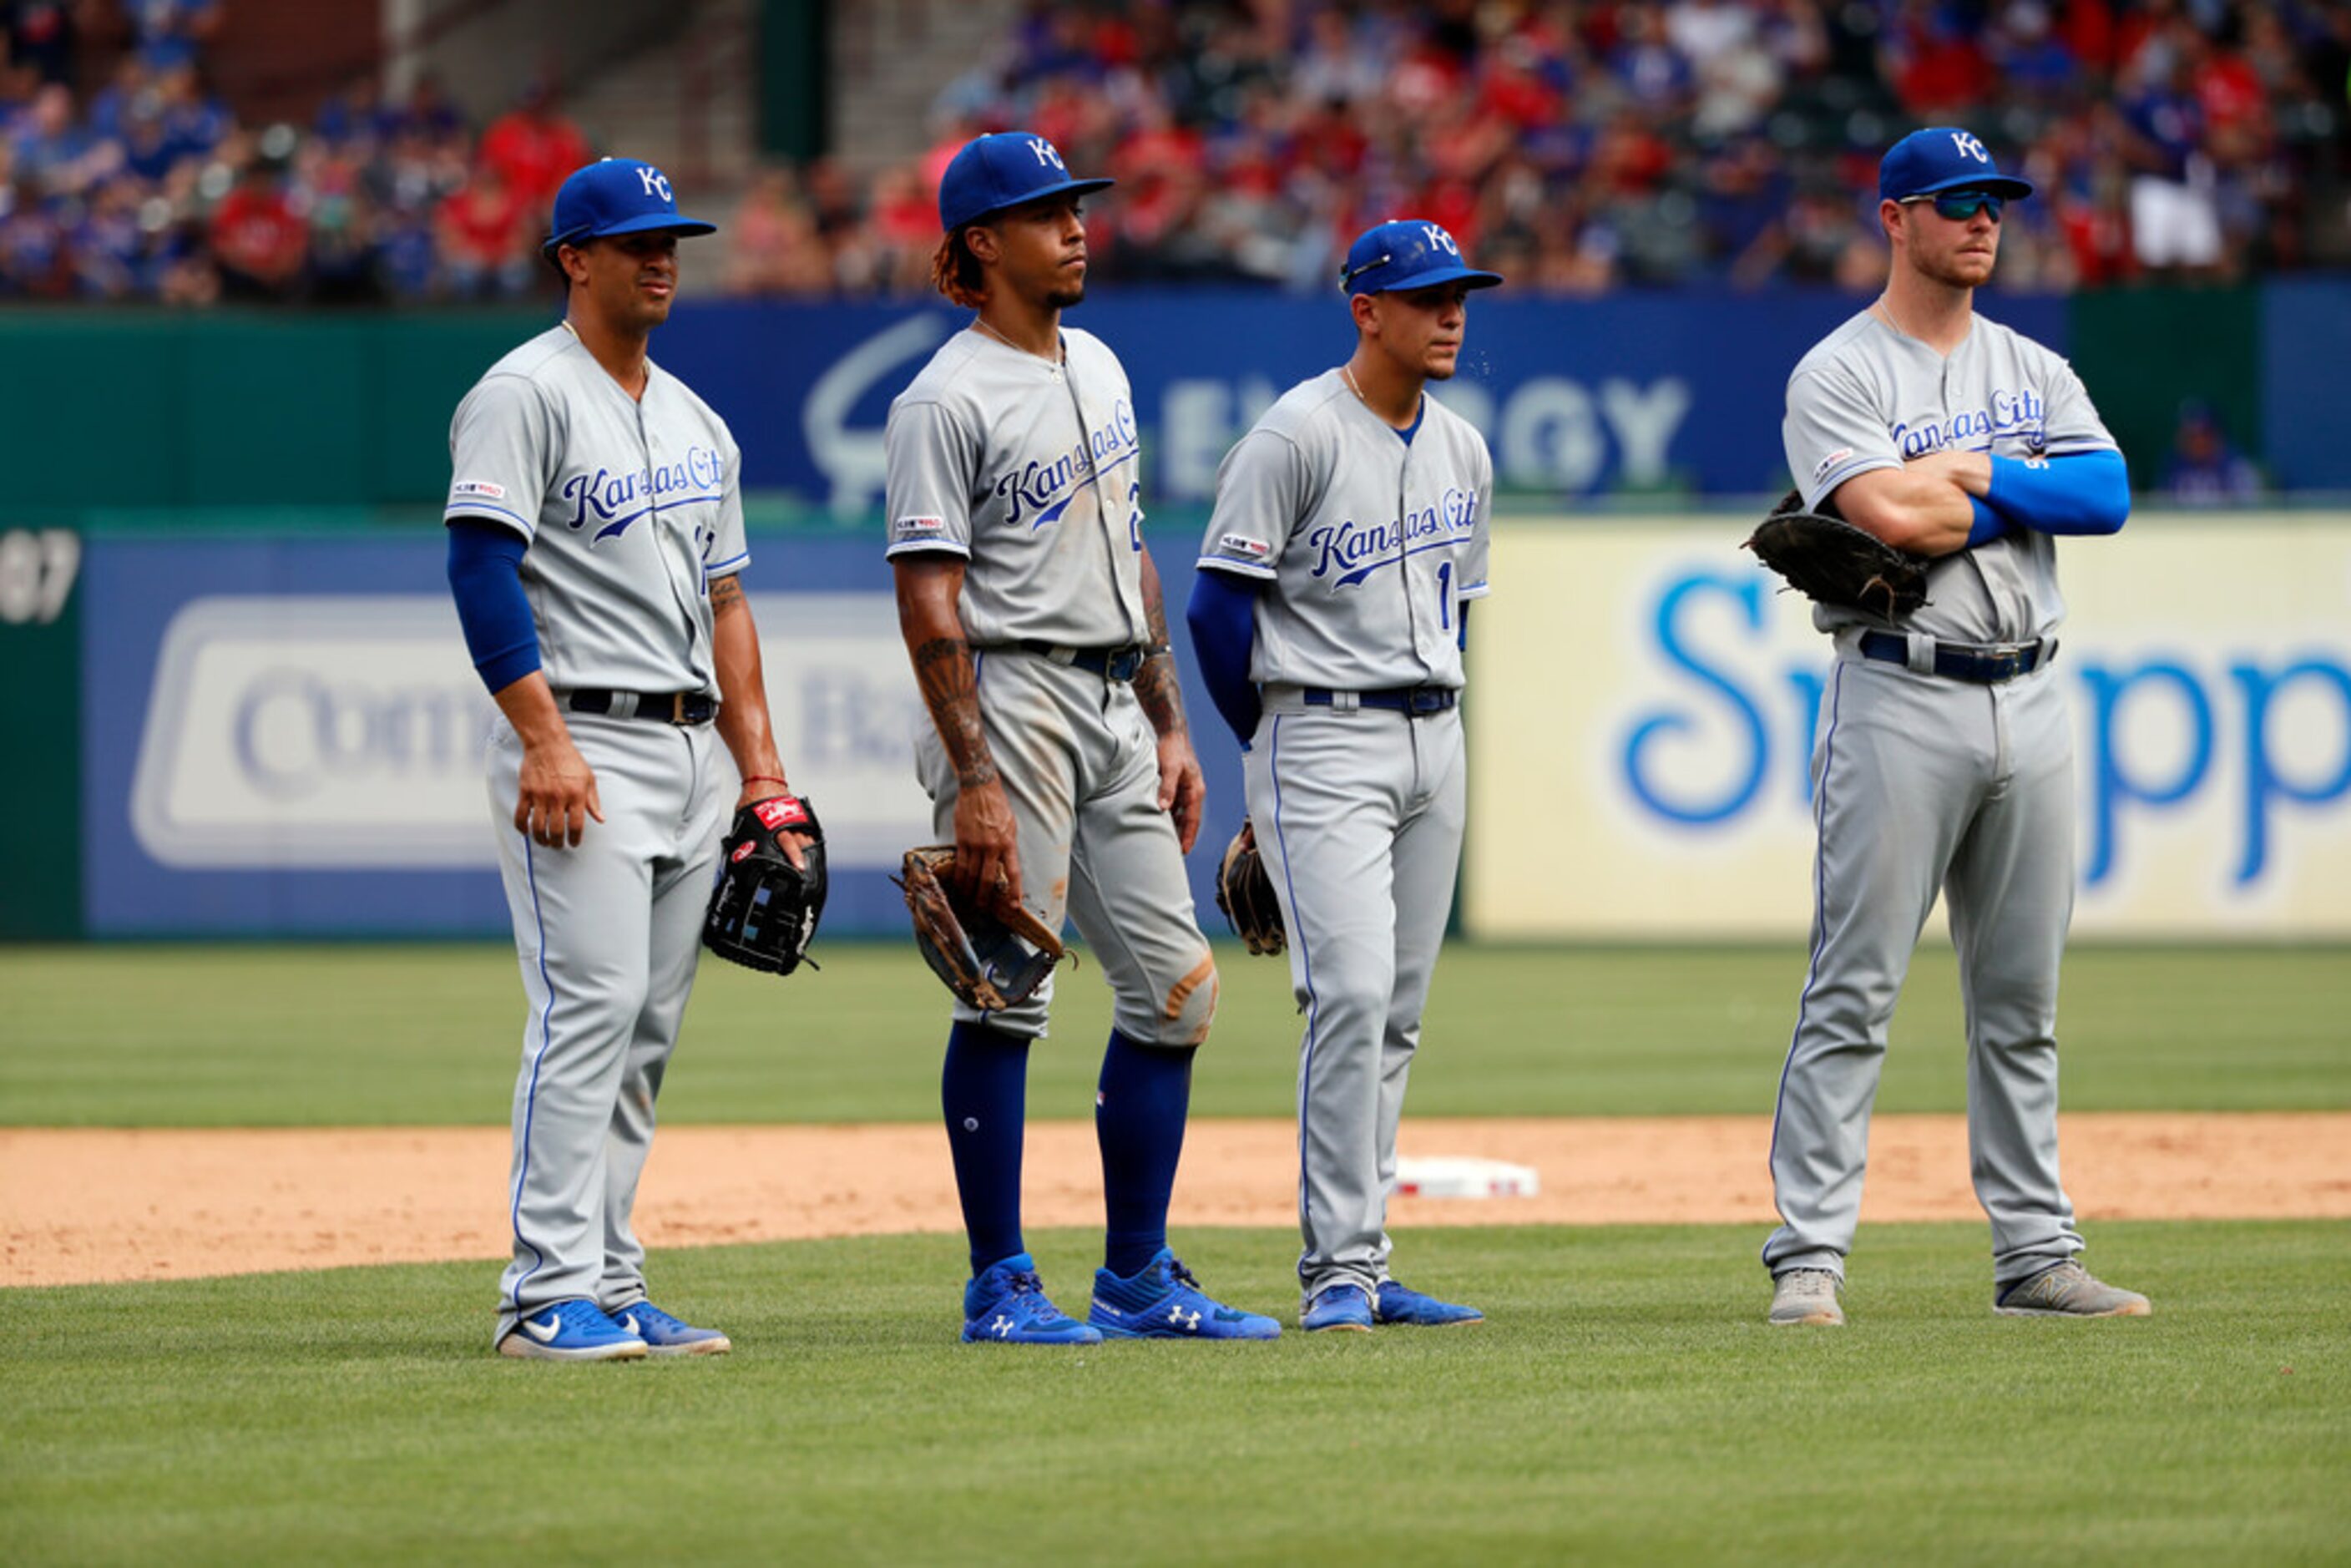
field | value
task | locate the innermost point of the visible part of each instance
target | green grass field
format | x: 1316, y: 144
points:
x: 229, y: 1036
x: 1624, y: 1404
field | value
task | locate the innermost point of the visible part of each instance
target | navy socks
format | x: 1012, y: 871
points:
x: 983, y: 1092
x: 1139, y: 1114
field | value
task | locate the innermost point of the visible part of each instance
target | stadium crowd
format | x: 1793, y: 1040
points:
x: 1576, y: 146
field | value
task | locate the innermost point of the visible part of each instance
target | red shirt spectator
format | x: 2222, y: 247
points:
x: 533, y: 148
x: 484, y: 224
x: 256, y: 232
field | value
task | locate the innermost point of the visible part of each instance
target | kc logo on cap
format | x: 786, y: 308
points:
x: 617, y: 196
x: 1006, y: 170
x: 1943, y: 158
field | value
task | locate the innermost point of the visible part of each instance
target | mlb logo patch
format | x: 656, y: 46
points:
x: 481, y: 487
x: 1820, y: 469
x: 783, y: 811
x: 1237, y: 543
x: 917, y: 527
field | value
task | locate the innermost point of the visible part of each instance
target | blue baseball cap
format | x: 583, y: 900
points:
x: 616, y: 196
x: 1407, y: 254
x: 1004, y: 169
x: 1943, y: 158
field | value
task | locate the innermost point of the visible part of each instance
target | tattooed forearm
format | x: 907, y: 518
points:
x: 1156, y: 686
x: 725, y: 593
x: 943, y: 670
x: 1160, y: 692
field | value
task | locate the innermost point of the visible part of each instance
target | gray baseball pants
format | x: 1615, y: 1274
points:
x: 1359, y: 814
x: 607, y: 934
x: 1924, y: 783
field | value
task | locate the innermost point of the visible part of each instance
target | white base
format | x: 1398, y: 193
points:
x: 1459, y: 1175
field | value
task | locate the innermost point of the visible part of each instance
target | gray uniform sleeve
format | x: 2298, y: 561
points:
x: 731, y: 551
x: 1833, y: 431
x: 1473, y: 559
x: 503, y: 447
x: 1262, y: 489
x: 931, y: 459
x: 2071, y: 423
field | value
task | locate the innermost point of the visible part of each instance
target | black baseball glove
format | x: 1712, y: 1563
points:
x: 1245, y: 893
x: 1832, y: 562
x: 763, y: 910
x: 990, y: 962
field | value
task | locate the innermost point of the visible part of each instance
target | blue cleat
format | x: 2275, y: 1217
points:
x: 1007, y: 1305
x: 1402, y: 1304
x: 570, y: 1331
x: 1165, y: 1301
x: 666, y: 1335
x: 1345, y: 1306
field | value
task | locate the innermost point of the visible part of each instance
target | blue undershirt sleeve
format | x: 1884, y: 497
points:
x: 2087, y: 493
x: 486, y: 578
x: 1223, y: 618
x: 1989, y: 525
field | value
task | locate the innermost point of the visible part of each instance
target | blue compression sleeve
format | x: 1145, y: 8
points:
x: 2088, y: 493
x: 1989, y: 524
x: 1223, y: 618
x: 485, y: 576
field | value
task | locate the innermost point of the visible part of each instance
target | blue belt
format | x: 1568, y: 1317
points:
x: 1111, y: 664
x: 1417, y: 701
x: 662, y: 708
x: 1965, y: 661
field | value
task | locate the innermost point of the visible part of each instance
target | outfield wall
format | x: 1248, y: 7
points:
x: 1644, y: 711
x: 280, y: 735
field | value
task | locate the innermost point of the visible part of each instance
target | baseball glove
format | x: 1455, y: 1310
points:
x: 1832, y: 562
x: 1245, y: 893
x: 763, y: 910
x: 991, y: 961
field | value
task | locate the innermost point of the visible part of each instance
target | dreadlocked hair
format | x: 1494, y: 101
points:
x: 956, y: 272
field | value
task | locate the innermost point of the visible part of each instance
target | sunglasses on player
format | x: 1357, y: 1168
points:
x: 1960, y: 206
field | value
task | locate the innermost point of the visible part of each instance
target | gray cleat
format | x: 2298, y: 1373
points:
x: 2068, y: 1291
x: 1807, y: 1296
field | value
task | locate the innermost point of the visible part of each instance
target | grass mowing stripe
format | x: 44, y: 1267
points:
x: 214, y: 1036
x: 1624, y: 1401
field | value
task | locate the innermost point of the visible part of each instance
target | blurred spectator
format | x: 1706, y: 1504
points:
x: 533, y: 149
x: 487, y: 238
x: 2204, y: 469
x: 772, y: 244
x: 39, y: 34
x: 1596, y: 144
x: 259, y: 239
x: 2174, y: 217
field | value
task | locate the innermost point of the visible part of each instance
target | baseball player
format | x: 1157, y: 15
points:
x: 595, y: 536
x: 1058, y: 758
x: 1945, y: 762
x: 1348, y: 541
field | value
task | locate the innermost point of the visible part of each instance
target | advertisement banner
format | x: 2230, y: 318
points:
x: 1645, y: 704
x: 285, y: 738
x: 1640, y: 391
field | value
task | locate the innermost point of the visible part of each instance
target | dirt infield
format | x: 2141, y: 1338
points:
x: 83, y: 1205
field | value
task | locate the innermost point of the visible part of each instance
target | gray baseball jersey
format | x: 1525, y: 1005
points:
x: 629, y: 506
x: 1373, y: 545
x: 1869, y: 397
x: 1030, y: 471
x: 1369, y: 548
x: 1927, y: 786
